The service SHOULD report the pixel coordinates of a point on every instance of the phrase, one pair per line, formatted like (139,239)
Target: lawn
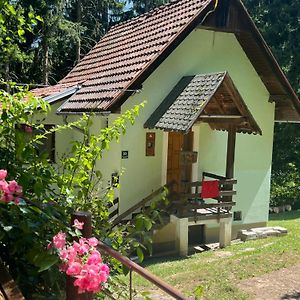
(219,272)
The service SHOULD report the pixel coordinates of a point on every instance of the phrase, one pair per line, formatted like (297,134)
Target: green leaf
(21,32)
(139,222)
(11,9)
(148,224)
(140,254)
(39,18)
(44,261)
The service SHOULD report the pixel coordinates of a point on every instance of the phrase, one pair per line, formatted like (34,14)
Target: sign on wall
(124,154)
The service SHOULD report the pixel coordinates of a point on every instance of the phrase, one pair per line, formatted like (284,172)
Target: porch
(191,209)
(205,98)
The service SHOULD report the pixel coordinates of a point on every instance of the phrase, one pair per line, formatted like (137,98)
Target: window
(46,146)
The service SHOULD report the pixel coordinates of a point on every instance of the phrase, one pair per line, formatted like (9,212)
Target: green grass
(219,274)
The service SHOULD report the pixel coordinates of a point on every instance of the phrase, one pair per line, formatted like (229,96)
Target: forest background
(68,29)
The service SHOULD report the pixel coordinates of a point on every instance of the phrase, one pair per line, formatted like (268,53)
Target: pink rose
(72,253)
(93,242)
(12,185)
(78,225)
(103,276)
(63,254)
(105,269)
(3,174)
(83,246)
(73,269)
(94,258)
(4,186)
(59,240)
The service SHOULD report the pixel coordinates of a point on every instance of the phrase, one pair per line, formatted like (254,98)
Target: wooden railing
(72,292)
(191,200)
(8,288)
(138,205)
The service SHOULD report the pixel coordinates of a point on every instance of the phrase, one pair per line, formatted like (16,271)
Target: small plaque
(150,143)
(124,154)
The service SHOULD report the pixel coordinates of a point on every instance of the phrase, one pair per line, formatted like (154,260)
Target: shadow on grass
(291,215)
(158,260)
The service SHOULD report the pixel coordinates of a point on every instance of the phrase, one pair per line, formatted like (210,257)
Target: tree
(142,6)
(14,24)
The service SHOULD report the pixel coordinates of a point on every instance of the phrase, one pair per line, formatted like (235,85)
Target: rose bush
(9,191)
(81,260)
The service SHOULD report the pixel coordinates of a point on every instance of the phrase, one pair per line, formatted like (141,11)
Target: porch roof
(211,98)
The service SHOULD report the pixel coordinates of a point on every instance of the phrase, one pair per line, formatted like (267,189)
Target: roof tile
(123,54)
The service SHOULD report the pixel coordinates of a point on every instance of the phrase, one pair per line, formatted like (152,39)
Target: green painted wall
(201,52)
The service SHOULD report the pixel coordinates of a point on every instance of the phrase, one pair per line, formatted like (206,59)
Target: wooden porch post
(225,225)
(230,151)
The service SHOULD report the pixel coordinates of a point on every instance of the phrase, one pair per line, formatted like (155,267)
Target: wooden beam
(230,152)
(232,119)
(220,105)
(278,98)
(222,29)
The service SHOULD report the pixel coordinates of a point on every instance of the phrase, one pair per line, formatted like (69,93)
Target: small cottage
(213,91)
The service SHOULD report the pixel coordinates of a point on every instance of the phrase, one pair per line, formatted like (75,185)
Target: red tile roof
(126,53)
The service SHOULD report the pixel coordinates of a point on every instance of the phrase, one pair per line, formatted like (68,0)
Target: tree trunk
(45,66)
(7,77)
(79,19)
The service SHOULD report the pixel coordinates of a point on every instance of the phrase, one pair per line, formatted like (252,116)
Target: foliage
(286,166)
(51,196)
(23,232)
(142,6)
(45,51)
(80,187)
(25,228)
(285,187)
(14,23)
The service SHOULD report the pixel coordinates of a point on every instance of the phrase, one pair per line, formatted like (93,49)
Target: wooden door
(175,142)
(178,142)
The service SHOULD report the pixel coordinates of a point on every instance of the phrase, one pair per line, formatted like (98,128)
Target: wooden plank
(222,119)
(208,205)
(228,181)
(209,217)
(9,289)
(199,183)
(211,175)
(227,193)
(198,196)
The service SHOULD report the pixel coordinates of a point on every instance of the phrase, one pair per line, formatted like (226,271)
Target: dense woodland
(62,31)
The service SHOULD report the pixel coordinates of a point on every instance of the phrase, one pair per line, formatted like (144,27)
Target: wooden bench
(8,288)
